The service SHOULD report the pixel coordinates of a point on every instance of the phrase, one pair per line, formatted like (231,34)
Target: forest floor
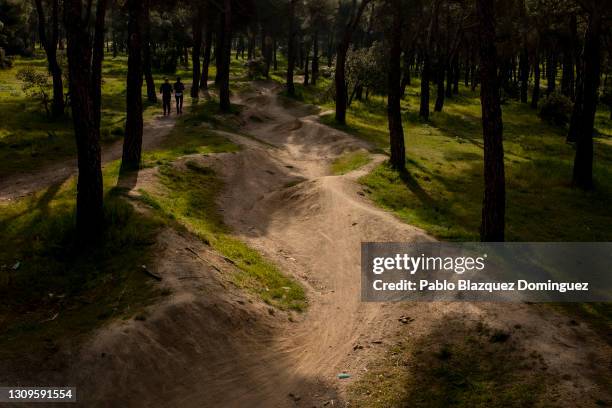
(208,342)
(287,185)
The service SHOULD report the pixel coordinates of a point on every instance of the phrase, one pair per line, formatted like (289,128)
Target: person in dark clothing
(178,95)
(166,91)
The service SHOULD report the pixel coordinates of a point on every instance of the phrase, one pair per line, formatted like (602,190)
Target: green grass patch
(454,366)
(53,290)
(350,161)
(188,197)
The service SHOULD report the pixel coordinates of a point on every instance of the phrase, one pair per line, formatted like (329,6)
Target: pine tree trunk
(195,52)
(306,62)
(315,57)
(341,51)
(494,202)
(424,108)
(96,63)
(524,74)
(456,75)
(440,88)
(50,47)
(132,142)
(206,60)
(583,162)
(291,49)
(225,57)
(551,72)
(267,53)
(576,119)
(90,214)
(406,74)
(218,48)
(535,96)
(146,53)
(567,76)
(396,131)
(274,52)
(449,82)
(340,81)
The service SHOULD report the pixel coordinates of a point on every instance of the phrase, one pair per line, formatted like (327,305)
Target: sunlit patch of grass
(350,161)
(29,139)
(51,288)
(188,197)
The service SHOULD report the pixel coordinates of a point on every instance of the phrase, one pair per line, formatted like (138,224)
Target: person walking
(178,95)
(166,91)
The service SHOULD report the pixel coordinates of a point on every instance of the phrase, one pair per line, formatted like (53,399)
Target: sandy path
(23,184)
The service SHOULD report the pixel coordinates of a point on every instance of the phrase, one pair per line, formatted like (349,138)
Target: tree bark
(89,213)
(267,53)
(306,68)
(195,51)
(440,87)
(426,73)
(291,49)
(406,74)
(96,63)
(551,72)
(524,73)
(274,52)
(494,202)
(456,74)
(341,51)
(576,119)
(207,48)
(132,142)
(146,53)
(396,130)
(225,57)
(50,46)
(583,162)
(448,92)
(424,107)
(315,57)
(535,96)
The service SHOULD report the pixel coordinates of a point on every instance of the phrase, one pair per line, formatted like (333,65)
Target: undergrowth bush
(556,109)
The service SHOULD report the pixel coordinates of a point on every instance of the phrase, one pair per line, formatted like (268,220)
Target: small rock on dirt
(405,319)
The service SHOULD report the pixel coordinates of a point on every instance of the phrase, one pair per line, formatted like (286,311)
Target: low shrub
(556,109)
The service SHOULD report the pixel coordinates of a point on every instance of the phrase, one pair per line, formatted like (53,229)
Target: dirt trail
(212,345)
(281,199)
(23,184)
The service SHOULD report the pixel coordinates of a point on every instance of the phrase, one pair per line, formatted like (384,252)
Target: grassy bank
(188,198)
